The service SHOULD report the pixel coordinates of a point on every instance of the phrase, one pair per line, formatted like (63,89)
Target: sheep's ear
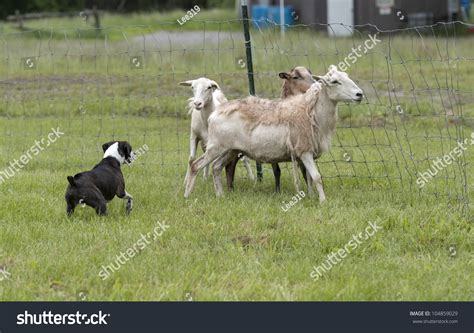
(284,76)
(320,78)
(186,83)
(332,68)
(214,85)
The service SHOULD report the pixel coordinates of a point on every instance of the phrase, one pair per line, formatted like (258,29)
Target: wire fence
(122,83)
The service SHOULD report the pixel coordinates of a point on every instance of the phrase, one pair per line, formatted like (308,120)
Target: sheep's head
(298,80)
(203,89)
(340,88)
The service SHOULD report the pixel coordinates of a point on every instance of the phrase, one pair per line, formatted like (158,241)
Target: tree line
(8,7)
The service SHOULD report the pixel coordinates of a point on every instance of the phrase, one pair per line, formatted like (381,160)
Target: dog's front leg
(129,198)
(122,194)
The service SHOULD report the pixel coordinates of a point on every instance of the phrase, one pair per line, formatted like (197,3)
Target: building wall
(366,11)
(310,11)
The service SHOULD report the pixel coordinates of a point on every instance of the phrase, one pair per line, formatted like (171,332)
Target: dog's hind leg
(99,205)
(101,209)
(70,204)
(95,199)
(69,209)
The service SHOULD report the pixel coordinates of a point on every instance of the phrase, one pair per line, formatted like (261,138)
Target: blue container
(466,5)
(260,15)
(263,16)
(274,14)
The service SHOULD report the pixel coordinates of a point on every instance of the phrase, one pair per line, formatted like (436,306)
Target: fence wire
(122,83)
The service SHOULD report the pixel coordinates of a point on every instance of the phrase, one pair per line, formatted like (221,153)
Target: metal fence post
(248,51)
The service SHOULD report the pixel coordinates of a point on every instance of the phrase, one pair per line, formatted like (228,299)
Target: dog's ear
(106,146)
(126,149)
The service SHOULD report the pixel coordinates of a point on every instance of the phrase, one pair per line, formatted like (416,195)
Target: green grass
(242,246)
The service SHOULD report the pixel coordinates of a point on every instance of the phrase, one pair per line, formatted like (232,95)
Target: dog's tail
(71,180)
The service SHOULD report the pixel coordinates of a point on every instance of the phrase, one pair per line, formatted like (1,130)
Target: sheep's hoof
(322,200)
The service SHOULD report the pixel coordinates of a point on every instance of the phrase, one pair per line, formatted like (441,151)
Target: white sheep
(207,96)
(296,81)
(300,127)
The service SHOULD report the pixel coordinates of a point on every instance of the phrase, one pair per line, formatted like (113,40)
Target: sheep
(296,81)
(207,95)
(300,127)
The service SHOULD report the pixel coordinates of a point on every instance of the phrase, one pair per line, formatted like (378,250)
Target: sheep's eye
(335,82)
(295,77)
(209,87)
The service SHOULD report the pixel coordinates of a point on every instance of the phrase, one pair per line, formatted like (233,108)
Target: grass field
(242,246)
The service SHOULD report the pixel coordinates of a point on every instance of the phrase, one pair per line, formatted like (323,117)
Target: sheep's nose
(198,105)
(359,95)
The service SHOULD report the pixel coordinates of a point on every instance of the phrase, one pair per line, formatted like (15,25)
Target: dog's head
(121,150)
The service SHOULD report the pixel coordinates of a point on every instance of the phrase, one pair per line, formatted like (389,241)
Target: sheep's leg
(294,171)
(211,154)
(230,173)
(206,169)
(217,170)
(312,169)
(246,162)
(307,178)
(193,143)
(308,181)
(303,171)
(277,175)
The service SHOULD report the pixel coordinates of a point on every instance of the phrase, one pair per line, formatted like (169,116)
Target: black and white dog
(94,188)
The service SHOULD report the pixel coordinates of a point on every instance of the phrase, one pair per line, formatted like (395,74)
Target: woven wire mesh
(122,85)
